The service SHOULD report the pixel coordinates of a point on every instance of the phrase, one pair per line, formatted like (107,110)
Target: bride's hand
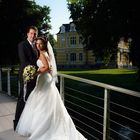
(50,69)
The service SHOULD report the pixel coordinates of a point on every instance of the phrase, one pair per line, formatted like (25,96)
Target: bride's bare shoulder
(43,57)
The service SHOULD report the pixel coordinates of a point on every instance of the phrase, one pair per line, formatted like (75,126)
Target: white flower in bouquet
(29,72)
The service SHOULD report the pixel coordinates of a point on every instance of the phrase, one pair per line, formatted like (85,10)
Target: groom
(27,56)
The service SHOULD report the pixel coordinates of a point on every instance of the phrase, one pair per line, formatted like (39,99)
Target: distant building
(71,53)
(123,60)
(69,49)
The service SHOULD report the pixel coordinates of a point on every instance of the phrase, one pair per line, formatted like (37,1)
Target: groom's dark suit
(27,55)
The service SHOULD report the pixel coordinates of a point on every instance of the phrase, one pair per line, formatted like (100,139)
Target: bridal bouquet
(29,72)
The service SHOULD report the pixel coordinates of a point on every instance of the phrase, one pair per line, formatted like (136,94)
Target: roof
(67,27)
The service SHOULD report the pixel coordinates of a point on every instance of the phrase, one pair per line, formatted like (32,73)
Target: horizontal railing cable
(125,107)
(87,133)
(85,116)
(120,134)
(85,109)
(85,101)
(86,125)
(124,126)
(125,117)
(84,93)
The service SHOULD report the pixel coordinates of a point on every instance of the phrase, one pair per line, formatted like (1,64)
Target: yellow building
(69,49)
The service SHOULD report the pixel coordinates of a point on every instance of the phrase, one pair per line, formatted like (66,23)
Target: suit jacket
(26,56)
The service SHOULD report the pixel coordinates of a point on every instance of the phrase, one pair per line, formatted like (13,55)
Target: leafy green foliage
(103,22)
(15,17)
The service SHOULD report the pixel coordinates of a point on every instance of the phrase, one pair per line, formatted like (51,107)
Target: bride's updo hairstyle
(44,41)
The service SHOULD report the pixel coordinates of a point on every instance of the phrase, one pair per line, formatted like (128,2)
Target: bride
(45,116)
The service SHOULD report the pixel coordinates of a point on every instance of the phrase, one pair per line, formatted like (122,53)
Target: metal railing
(100,111)
(6,70)
(106,107)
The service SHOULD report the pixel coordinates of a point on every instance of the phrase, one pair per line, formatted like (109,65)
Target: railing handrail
(103,85)
(5,68)
(107,88)
(92,82)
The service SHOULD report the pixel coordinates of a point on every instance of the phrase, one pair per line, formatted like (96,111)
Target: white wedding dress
(45,116)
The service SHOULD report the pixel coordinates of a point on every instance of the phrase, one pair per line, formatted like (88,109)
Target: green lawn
(126,78)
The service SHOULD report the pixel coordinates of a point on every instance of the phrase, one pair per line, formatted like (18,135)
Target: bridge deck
(7,111)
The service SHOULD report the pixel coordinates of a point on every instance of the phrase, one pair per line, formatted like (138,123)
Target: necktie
(34,49)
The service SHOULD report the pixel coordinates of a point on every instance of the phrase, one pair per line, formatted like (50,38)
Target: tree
(103,22)
(15,17)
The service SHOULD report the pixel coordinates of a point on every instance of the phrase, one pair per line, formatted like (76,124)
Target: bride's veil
(53,62)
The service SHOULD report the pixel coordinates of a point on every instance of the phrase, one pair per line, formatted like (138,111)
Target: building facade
(69,50)
(123,60)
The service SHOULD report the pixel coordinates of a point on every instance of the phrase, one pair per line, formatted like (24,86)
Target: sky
(59,13)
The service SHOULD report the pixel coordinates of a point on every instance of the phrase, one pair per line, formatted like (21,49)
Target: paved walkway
(7,111)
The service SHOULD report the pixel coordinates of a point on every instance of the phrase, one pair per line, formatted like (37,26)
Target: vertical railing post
(0,79)
(8,81)
(62,87)
(18,87)
(106,132)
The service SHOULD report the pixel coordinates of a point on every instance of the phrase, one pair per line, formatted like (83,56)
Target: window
(72,28)
(62,40)
(73,57)
(73,40)
(80,56)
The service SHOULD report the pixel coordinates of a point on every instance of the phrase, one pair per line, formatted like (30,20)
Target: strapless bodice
(39,62)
